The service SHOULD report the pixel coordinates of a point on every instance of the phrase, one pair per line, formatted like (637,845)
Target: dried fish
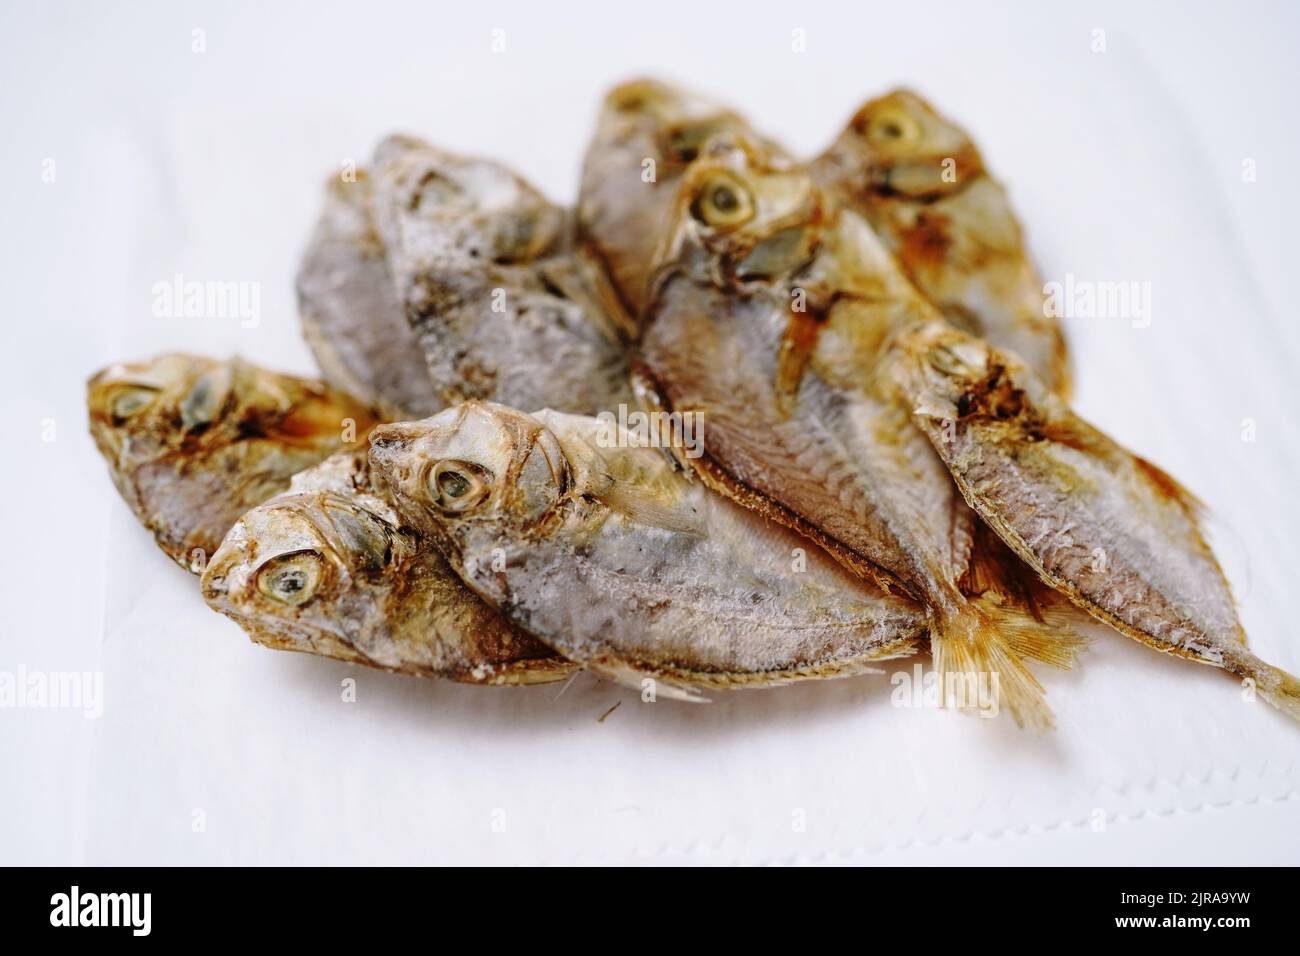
(193,443)
(1113,532)
(598,545)
(351,315)
(326,569)
(503,303)
(770,309)
(646,135)
(922,184)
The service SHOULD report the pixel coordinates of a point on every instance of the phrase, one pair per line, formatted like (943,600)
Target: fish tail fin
(983,645)
(1031,616)
(1275,685)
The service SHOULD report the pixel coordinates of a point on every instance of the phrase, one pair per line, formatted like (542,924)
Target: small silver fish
(600,547)
(326,569)
(351,315)
(1105,527)
(504,304)
(192,443)
(922,184)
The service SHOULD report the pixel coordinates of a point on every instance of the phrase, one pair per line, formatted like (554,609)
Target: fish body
(352,318)
(325,568)
(922,184)
(613,557)
(501,300)
(192,443)
(771,309)
(1105,527)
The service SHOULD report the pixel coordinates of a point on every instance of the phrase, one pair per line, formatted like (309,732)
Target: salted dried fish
(503,303)
(646,135)
(351,315)
(1107,528)
(326,569)
(770,309)
(192,443)
(599,546)
(922,184)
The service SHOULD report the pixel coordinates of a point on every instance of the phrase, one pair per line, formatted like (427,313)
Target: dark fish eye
(724,200)
(893,126)
(292,579)
(453,484)
(724,203)
(457,485)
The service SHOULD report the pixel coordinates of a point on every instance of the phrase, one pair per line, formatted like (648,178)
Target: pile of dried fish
(735,420)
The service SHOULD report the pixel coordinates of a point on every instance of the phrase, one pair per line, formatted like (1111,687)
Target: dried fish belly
(922,184)
(326,569)
(193,443)
(611,556)
(351,315)
(503,304)
(1108,529)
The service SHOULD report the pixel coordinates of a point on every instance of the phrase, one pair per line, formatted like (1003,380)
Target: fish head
(647,134)
(139,410)
(899,145)
(142,410)
(744,213)
(477,205)
(952,376)
(477,472)
(301,571)
(193,443)
(677,123)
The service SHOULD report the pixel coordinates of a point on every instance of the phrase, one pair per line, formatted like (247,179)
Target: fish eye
(130,400)
(457,485)
(892,127)
(292,579)
(723,203)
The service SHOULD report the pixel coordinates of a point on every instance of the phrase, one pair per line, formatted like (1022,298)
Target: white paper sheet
(209,164)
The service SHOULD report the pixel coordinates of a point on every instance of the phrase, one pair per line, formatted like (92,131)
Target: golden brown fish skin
(647,133)
(326,569)
(612,556)
(504,304)
(351,316)
(922,184)
(192,443)
(1105,527)
(771,309)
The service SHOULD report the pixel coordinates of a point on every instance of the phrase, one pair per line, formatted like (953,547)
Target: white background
(1123,165)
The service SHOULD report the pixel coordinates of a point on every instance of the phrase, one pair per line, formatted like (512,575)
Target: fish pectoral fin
(646,507)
